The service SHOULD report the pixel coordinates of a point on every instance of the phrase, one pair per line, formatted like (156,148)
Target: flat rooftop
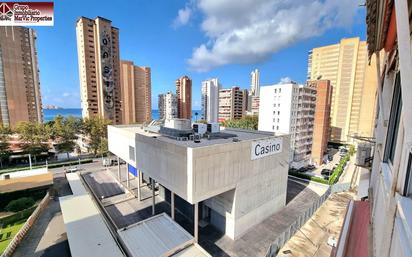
(156,236)
(225,136)
(86,230)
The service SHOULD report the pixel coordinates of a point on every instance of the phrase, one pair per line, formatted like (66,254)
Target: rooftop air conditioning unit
(213,127)
(363,154)
(199,128)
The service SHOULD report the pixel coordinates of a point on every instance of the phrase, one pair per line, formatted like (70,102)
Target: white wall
(119,142)
(269,108)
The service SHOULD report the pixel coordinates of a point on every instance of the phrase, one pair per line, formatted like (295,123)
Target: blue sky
(167,35)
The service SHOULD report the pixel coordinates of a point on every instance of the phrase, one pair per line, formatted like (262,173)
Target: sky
(203,39)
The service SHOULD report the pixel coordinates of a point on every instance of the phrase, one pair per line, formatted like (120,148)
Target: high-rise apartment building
(99,68)
(210,100)
(354,87)
(135,84)
(184,97)
(289,109)
(254,105)
(321,129)
(167,106)
(230,104)
(20,98)
(245,94)
(255,83)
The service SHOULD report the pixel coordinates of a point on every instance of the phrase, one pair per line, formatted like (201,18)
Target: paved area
(104,185)
(47,237)
(329,165)
(325,224)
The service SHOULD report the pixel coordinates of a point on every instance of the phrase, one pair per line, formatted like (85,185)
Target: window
(393,127)
(278,112)
(275,91)
(131,153)
(408,180)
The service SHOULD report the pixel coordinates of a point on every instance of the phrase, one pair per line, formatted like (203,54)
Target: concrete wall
(119,142)
(260,185)
(165,162)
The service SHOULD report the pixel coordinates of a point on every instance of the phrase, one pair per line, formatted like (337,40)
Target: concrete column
(127,178)
(196,221)
(118,170)
(172,200)
(139,193)
(153,197)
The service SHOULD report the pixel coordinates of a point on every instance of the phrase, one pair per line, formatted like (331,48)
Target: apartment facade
(354,87)
(230,104)
(136,93)
(99,68)
(210,100)
(389,36)
(20,98)
(289,109)
(321,127)
(167,106)
(184,97)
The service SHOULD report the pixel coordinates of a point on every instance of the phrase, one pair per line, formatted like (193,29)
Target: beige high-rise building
(354,87)
(230,104)
(136,86)
(99,68)
(184,97)
(20,98)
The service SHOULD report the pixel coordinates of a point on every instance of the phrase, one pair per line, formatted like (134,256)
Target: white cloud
(285,80)
(183,17)
(249,31)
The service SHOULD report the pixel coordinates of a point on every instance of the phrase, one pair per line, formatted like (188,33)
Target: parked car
(303,169)
(310,167)
(71,170)
(326,172)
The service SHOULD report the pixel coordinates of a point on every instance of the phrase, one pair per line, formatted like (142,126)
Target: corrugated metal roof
(192,251)
(87,232)
(155,236)
(76,185)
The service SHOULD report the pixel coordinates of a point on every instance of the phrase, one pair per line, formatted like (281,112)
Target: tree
(64,132)
(95,128)
(34,137)
(248,122)
(5,152)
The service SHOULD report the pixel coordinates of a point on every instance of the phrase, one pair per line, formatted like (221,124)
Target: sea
(77,112)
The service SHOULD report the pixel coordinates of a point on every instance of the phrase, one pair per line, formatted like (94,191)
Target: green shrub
(305,176)
(16,217)
(20,204)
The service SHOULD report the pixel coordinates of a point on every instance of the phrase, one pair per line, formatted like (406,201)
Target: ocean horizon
(50,114)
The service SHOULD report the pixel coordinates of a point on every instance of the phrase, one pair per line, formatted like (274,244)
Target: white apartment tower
(210,100)
(255,86)
(167,106)
(289,109)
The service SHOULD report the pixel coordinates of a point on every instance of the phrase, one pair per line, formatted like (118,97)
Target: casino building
(229,178)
